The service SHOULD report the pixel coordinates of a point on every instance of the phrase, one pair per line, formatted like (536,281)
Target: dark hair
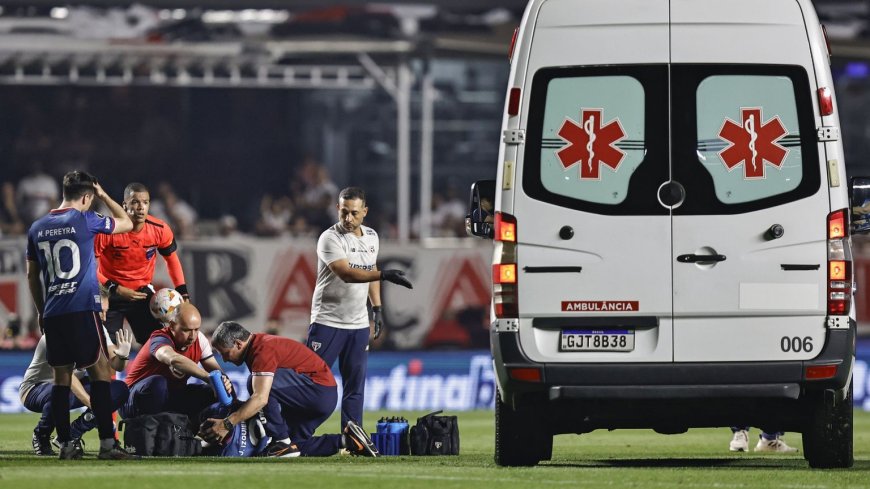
(227,333)
(77,184)
(352,193)
(133,188)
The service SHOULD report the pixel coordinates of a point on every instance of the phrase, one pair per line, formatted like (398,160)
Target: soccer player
(127,261)
(62,278)
(158,375)
(347,274)
(294,388)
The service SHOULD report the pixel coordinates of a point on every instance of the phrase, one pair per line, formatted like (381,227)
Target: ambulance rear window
(593,141)
(744,138)
(748,136)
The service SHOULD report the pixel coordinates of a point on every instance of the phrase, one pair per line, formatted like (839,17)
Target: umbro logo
(315,345)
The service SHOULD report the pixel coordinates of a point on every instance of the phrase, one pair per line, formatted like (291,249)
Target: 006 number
(796,344)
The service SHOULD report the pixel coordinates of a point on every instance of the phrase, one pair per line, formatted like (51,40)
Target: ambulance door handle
(700,258)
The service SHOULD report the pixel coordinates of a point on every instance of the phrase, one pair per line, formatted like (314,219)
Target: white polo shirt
(335,302)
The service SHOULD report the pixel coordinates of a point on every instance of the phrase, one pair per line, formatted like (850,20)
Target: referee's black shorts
(136,313)
(75,339)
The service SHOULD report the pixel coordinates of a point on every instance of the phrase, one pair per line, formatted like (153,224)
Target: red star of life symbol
(752,142)
(590,144)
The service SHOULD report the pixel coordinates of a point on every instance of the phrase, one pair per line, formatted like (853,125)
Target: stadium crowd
(307,207)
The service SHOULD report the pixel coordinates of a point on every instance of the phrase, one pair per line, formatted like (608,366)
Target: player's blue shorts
(74,339)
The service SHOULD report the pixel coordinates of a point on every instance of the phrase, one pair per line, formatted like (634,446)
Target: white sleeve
(330,249)
(108,338)
(205,346)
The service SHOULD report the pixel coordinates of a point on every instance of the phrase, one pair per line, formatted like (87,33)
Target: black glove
(377,318)
(397,277)
(148,290)
(182,289)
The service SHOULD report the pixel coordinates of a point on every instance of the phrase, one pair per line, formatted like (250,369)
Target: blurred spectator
(38,193)
(275,214)
(228,226)
(171,208)
(299,228)
(448,217)
(315,193)
(10,221)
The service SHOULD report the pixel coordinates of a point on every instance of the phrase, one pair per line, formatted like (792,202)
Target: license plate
(597,340)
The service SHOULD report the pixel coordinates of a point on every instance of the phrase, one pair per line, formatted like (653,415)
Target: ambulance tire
(520,440)
(827,439)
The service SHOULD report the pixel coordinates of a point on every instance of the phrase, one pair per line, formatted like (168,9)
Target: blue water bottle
(217,383)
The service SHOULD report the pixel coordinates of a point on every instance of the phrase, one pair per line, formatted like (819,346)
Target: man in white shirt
(347,274)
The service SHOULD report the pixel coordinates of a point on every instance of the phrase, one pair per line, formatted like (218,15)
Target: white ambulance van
(671,221)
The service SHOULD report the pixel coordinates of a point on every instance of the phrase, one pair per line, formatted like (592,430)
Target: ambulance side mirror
(859,197)
(481,203)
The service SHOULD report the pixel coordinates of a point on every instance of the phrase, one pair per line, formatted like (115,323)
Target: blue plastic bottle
(217,383)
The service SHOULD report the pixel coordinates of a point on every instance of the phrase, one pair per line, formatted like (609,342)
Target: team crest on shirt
(315,345)
(371,249)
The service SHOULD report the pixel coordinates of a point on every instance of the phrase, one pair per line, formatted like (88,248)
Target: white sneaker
(775,445)
(740,441)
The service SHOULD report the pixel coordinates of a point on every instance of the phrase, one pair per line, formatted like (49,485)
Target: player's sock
(60,411)
(101,403)
(107,444)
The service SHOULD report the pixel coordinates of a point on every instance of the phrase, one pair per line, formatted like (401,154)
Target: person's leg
(148,396)
(321,445)
(87,421)
(65,339)
(99,373)
(352,364)
(739,439)
(114,319)
(60,407)
(38,400)
(328,343)
(305,405)
(276,427)
(141,321)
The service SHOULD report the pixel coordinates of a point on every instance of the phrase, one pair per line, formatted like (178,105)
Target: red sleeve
(99,246)
(173,265)
(264,361)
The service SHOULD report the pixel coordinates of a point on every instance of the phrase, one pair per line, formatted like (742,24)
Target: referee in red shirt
(126,265)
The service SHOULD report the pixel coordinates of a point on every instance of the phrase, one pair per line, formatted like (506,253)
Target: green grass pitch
(626,458)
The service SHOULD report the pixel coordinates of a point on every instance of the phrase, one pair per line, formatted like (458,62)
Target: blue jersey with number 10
(62,242)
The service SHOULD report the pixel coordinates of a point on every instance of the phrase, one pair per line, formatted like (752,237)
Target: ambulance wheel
(827,439)
(519,439)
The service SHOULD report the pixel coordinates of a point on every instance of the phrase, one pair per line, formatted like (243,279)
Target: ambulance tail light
(514,102)
(525,374)
(504,270)
(505,227)
(839,264)
(820,372)
(826,101)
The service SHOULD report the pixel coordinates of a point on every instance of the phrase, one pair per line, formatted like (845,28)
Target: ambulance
(671,220)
